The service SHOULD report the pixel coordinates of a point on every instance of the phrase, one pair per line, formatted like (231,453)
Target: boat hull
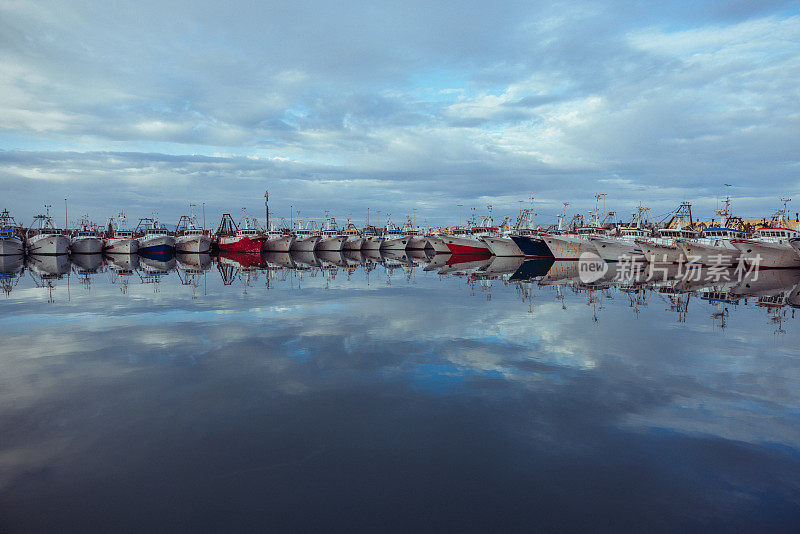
(48,245)
(354,243)
(86,245)
(306,244)
(397,244)
(661,253)
(331,244)
(417,242)
(615,250)
(121,245)
(281,243)
(465,245)
(193,244)
(11,246)
(531,246)
(767,255)
(502,246)
(437,244)
(240,244)
(568,247)
(710,254)
(372,243)
(157,244)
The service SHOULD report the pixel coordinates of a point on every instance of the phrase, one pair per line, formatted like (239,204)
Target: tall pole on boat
(66,213)
(266,206)
(204,215)
(291,217)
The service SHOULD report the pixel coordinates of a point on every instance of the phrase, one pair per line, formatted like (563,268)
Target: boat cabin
(591,230)
(155,231)
(631,231)
(676,233)
(723,233)
(249,232)
(86,233)
(777,233)
(123,234)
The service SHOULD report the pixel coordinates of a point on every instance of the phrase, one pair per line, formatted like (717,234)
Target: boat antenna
(266,206)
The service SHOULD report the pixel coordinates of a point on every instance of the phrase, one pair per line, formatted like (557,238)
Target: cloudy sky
(401,107)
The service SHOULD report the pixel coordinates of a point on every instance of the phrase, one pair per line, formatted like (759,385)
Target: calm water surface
(298,393)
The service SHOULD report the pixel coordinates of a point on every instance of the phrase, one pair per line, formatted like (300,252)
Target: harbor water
(299,392)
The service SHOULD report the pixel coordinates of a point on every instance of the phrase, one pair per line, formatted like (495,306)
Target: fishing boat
(394,239)
(154,237)
(189,237)
(305,240)
(331,241)
(87,239)
(10,241)
(622,246)
(531,244)
(714,246)
(771,247)
(664,247)
(43,238)
(416,240)
(468,240)
(354,239)
(436,244)
(373,239)
(243,237)
(121,240)
(279,241)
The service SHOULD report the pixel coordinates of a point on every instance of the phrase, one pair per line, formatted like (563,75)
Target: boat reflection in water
(776,290)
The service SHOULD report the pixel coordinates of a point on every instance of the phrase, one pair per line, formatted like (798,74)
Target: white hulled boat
(10,240)
(394,239)
(189,238)
(714,246)
(664,247)
(279,241)
(771,248)
(355,241)
(620,247)
(416,240)
(331,241)
(44,238)
(373,239)
(87,240)
(305,240)
(121,240)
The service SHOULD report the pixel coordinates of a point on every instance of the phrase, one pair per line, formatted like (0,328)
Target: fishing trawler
(43,238)
(394,239)
(154,238)
(531,244)
(121,240)
(87,239)
(714,246)
(354,239)
(468,240)
(10,242)
(373,239)
(771,247)
(278,241)
(189,238)
(332,239)
(305,240)
(243,237)
(570,246)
